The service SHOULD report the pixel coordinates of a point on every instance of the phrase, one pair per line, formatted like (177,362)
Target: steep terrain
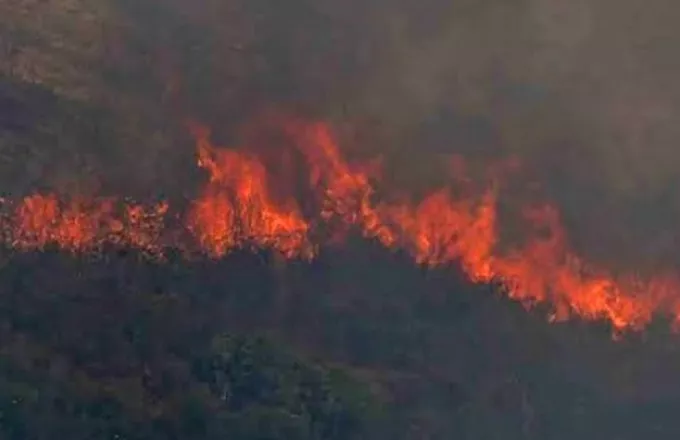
(361,342)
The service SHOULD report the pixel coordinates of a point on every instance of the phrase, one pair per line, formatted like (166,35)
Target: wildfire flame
(236,210)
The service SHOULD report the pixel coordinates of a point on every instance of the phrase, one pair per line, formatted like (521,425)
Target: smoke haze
(584,92)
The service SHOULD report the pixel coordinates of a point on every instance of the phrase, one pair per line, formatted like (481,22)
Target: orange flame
(235,210)
(40,221)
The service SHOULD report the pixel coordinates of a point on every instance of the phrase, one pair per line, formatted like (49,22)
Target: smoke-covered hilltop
(95,96)
(584,93)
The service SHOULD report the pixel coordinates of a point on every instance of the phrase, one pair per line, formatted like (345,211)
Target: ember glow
(236,210)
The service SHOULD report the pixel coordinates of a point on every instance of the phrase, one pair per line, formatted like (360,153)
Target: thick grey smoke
(584,91)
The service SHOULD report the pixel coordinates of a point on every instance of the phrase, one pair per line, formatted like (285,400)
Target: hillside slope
(361,343)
